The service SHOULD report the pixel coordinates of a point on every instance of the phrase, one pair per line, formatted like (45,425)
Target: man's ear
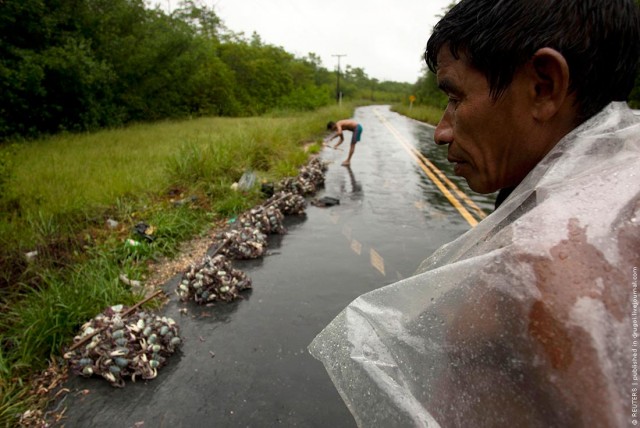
(550,73)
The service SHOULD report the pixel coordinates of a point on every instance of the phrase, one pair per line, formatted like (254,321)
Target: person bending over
(337,129)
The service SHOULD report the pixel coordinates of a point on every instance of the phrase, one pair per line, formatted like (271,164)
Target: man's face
(489,140)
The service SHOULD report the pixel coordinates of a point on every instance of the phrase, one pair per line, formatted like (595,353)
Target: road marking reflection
(376,260)
(346,231)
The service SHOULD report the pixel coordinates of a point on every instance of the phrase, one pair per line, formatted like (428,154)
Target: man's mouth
(458,164)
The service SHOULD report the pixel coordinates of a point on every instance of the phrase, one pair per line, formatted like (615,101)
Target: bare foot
(345,163)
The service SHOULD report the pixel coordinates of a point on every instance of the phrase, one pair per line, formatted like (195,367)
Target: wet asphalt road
(246,363)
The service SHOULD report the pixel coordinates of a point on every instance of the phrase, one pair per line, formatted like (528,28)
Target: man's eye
(453,102)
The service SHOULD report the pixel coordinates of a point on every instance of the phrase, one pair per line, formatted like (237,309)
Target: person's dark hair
(600,41)
(330,125)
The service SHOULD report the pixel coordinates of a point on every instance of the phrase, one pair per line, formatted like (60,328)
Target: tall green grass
(423,113)
(61,190)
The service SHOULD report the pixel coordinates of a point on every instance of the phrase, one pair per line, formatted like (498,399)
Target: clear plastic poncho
(529,319)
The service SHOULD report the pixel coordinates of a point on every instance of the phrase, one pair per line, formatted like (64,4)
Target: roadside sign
(412,98)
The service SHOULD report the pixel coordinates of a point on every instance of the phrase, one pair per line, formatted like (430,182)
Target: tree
(427,91)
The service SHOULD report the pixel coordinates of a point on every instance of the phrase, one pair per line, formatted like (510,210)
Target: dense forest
(77,65)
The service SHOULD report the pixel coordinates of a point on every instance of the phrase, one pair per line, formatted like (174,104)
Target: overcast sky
(386,38)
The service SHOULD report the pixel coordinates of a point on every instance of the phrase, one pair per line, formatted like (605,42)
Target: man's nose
(444,131)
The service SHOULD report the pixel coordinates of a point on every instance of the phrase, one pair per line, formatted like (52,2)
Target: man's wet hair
(600,41)
(330,125)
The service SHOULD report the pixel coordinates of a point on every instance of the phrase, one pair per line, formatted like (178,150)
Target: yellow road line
(451,185)
(445,191)
(356,246)
(481,214)
(376,261)
(429,169)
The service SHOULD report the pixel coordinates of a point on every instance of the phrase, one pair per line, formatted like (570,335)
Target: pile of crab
(288,203)
(119,344)
(214,279)
(122,343)
(309,179)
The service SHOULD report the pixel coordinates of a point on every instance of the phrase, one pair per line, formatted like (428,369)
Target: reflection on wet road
(453,194)
(408,202)
(246,363)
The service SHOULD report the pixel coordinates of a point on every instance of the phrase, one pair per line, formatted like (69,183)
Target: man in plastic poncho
(530,318)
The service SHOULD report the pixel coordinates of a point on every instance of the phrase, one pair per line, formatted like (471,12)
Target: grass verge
(423,113)
(69,204)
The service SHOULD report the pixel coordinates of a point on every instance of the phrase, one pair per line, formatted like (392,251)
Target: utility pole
(338,93)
